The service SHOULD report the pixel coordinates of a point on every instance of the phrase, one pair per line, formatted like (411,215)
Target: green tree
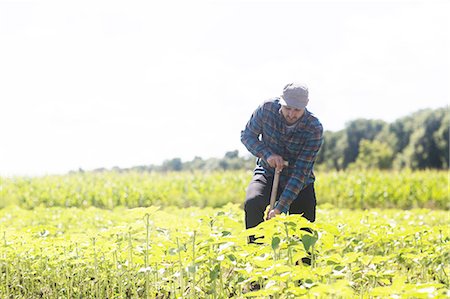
(331,154)
(441,138)
(373,154)
(356,131)
(428,142)
(196,164)
(174,164)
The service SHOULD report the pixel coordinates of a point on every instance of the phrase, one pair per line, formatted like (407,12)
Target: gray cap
(295,95)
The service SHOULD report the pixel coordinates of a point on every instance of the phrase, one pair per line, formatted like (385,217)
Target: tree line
(417,141)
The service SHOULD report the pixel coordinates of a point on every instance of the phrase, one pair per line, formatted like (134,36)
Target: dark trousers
(258,198)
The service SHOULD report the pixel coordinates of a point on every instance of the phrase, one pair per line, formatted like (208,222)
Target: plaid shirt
(299,147)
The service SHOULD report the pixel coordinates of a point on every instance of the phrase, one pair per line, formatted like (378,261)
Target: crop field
(370,189)
(85,236)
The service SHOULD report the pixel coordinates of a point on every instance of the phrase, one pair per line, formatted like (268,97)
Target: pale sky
(124,83)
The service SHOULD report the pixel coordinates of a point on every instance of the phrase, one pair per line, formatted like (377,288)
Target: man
(280,130)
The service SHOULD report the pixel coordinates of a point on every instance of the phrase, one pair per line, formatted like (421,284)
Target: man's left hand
(273,213)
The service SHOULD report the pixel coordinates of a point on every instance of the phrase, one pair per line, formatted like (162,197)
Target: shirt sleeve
(302,169)
(250,135)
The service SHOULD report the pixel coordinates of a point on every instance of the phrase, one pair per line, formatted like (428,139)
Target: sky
(90,84)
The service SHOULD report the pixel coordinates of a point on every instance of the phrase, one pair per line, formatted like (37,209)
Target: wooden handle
(273,194)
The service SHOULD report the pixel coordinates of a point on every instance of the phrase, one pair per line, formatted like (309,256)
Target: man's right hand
(276,161)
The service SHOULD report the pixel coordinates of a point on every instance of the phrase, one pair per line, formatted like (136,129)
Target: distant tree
(232,161)
(196,164)
(373,154)
(441,138)
(174,164)
(212,164)
(232,154)
(331,154)
(356,131)
(428,141)
(417,141)
(402,130)
(389,138)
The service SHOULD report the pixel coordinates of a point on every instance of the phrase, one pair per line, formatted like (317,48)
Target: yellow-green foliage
(203,253)
(385,189)
(367,189)
(132,189)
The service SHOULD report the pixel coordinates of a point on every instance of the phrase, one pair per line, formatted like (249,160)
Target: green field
(84,236)
(369,189)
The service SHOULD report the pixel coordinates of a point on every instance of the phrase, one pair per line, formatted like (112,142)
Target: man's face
(291,115)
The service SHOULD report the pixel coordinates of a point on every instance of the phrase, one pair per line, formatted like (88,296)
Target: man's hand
(276,161)
(273,213)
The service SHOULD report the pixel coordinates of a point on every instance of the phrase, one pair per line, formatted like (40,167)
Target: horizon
(243,153)
(98,84)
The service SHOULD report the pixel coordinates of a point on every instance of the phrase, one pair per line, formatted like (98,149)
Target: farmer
(282,129)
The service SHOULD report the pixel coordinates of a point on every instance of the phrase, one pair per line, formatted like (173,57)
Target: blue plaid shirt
(299,147)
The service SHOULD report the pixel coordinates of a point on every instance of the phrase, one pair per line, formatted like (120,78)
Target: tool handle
(273,194)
